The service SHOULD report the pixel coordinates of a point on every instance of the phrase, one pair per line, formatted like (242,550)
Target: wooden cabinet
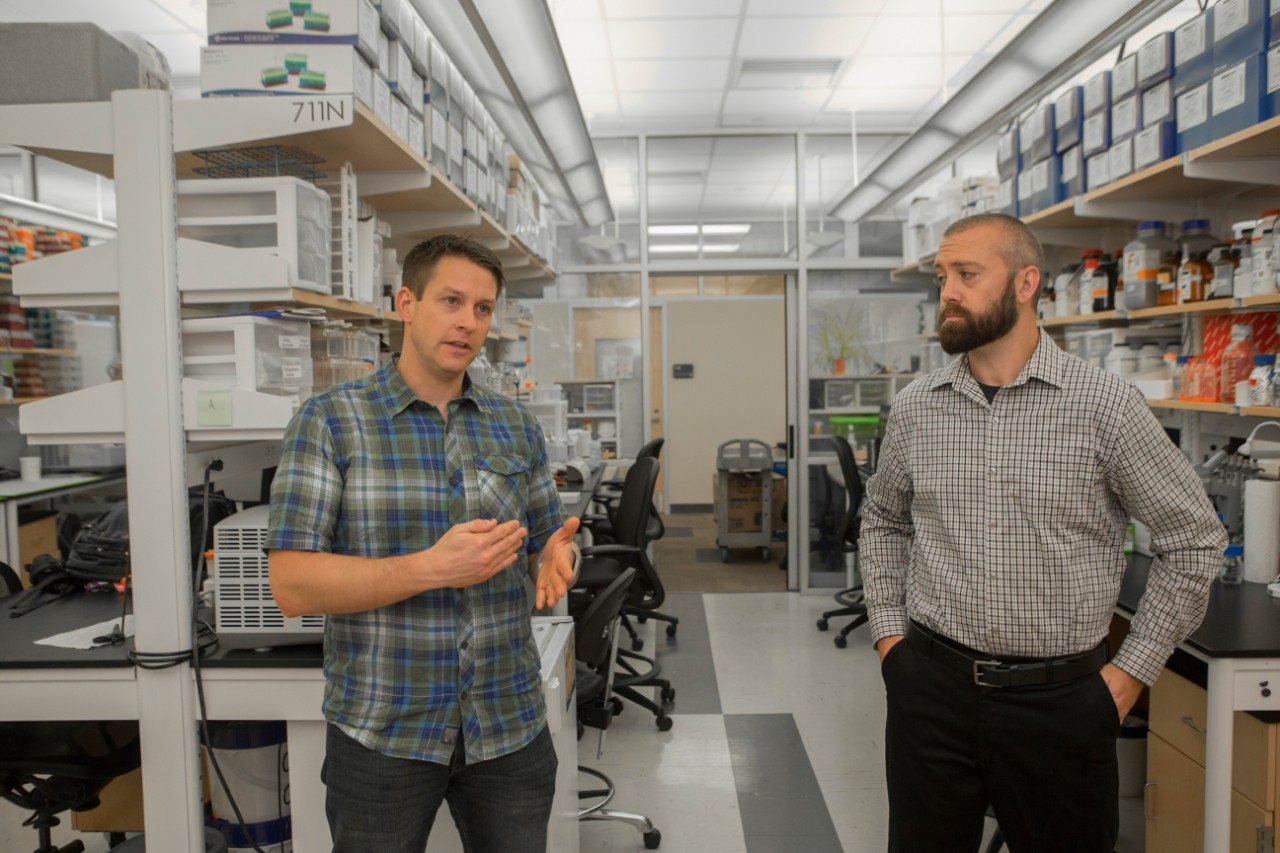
(1175,771)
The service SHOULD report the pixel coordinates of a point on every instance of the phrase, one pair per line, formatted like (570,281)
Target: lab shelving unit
(173,427)
(591,403)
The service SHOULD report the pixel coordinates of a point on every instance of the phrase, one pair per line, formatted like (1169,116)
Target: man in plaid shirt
(992,542)
(411,508)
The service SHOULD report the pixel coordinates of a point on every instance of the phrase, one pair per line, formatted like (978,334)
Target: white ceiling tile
(672,8)
(583,39)
(190,13)
(764,101)
(803,37)
(1016,25)
(671,103)
(591,75)
(694,147)
(574,10)
(793,8)
(979,7)
(596,103)
(639,75)
(972,32)
(686,39)
(879,98)
(136,15)
(893,72)
(904,35)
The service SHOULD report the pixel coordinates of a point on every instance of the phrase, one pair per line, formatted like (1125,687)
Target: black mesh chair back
(630,524)
(652,449)
(847,532)
(593,630)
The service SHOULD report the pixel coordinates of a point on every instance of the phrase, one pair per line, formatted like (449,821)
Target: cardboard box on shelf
(745,498)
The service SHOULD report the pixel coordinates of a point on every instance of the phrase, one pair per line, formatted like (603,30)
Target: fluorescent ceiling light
(726,229)
(672,230)
(692,248)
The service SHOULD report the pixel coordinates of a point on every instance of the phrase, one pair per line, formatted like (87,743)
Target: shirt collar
(1045,364)
(398,396)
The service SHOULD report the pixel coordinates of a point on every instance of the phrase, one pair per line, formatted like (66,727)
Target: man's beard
(973,331)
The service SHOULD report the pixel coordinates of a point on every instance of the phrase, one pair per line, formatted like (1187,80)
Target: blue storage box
(1008,155)
(1153,144)
(1193,52)
(1155,60)
(1157,103)
(1071,178)
(1096,137)
(1120,159)
(1241,29)
(1037,136)
(1124,77)
(1097,171)
(1023,193)
(1238,97)
(1046,183)
(1068,118)
(1126,117)
(1097,94)
(1191,111)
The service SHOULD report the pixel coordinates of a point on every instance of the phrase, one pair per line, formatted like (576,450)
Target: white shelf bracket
(1135,211)
(1254,170)
(60,127)
(86,277)
(383,183)
(413,222)
(497,244)
(212,273)
(217,122)
(525,274)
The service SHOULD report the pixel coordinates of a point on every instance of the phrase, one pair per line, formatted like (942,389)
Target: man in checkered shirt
(992,542)
(411,508)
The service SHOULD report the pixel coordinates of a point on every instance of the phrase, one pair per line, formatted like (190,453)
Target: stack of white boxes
(267,355)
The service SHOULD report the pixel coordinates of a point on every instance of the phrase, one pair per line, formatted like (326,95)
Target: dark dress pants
(1043,757)
(379,804)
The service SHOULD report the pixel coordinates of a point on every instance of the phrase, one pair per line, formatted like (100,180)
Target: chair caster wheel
(642,618)
(841,642)
(665,723)
(652,839)
(616,704)
(822,624)
(671,630)
(637,644)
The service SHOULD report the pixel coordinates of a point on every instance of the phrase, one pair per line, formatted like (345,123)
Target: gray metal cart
(744,456)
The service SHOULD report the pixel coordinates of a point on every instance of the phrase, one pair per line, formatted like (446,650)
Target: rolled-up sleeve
(306,494)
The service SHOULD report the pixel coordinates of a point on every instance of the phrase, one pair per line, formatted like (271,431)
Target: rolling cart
(744,456)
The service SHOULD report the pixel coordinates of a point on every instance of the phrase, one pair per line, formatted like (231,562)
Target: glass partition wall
(740,224)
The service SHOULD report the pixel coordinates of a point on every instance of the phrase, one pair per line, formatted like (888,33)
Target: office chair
(838,534)
(595,637)
(55,766)
(603,564)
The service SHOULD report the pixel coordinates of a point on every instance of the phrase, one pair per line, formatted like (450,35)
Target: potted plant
(838,336)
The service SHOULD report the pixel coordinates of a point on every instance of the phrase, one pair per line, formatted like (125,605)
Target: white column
(155,453)
(1220,726)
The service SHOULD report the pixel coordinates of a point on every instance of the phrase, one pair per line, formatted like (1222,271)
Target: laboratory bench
(1213,763)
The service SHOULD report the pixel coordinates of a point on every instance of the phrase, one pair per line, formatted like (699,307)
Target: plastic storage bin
(253,353)
(1124,77)
(1096,136)
(1238,97)
(1071,177)
(1155,60)
(1068,118)
(1154,144)
(1193,52)
(1126,117)
(278,216)
(1097,94)
(1192,110)
(1241,29)
(1046,183)
(1037,135)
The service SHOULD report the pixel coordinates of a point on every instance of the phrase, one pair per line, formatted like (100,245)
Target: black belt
(993,672)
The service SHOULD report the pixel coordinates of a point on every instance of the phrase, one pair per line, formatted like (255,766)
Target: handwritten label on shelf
(213,408)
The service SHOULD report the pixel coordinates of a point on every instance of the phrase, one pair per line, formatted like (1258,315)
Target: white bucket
(254,758)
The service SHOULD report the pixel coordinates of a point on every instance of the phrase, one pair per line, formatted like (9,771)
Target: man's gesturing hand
(474,551)
(555,570)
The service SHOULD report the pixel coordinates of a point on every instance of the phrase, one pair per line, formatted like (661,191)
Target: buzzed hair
(420,264)
(1019,247)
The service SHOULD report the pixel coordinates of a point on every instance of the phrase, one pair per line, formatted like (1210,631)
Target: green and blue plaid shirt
(370,470)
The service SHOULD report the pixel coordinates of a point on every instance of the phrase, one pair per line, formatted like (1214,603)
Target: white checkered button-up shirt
(1001,525)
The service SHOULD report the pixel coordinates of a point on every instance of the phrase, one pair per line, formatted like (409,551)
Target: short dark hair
(1020,248)
(420,264)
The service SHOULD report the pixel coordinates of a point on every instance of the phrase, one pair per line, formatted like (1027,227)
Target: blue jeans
(375,802)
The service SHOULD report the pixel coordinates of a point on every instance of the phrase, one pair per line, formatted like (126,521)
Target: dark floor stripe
(701,509)
(678,532)
(778,795)
(736,555)
(686,658)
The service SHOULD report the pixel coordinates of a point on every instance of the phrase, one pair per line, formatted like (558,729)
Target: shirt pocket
(504,486)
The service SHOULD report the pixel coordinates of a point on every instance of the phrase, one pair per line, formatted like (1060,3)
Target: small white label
(1229,16)
(294,342)
(1193,108)
(290,368)
(1157,103)
(1124,76)
(455,145)
(1071,165)
(1095,92)
(1064,109)
(1189,40)
(1273,69)
(1146,147)
(1032,130)
(1153,57)
(1098,170)
(1024,186)
(1095,136)
(1040,177)
(1124,117)
(1121,159)
(1228,89)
